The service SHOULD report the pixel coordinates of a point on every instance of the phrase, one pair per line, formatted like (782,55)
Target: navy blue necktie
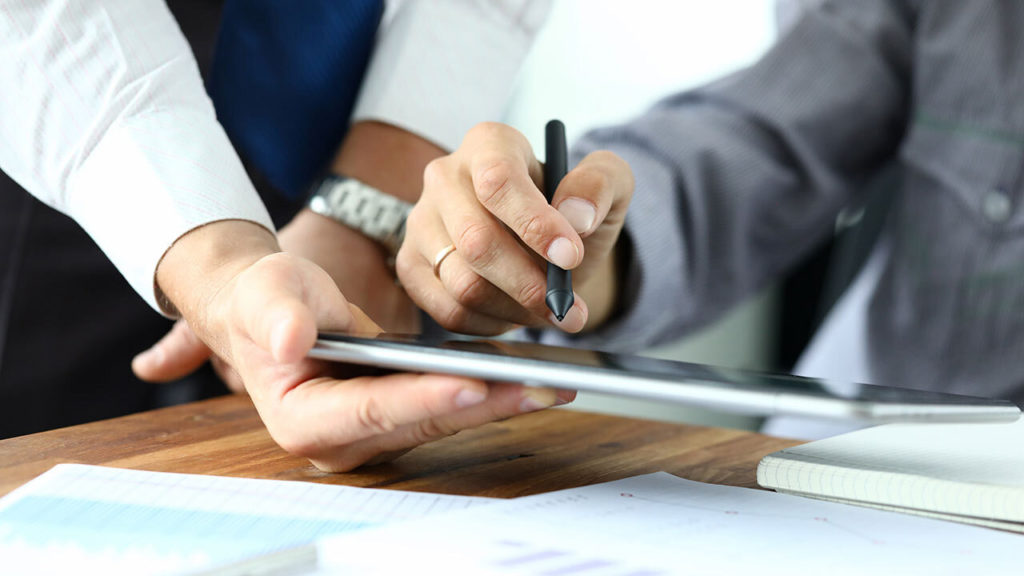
(285,77)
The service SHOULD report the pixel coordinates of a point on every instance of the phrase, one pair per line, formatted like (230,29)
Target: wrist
(362,208)
(386,164)
(369,152)
(202,261)
(321,239)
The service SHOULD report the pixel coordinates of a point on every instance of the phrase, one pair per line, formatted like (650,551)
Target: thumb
(294,298)
(179,353)
(360,323)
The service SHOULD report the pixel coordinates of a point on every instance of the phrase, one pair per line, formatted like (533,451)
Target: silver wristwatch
(363,208)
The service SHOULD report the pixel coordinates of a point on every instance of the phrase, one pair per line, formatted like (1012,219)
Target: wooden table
(539,452)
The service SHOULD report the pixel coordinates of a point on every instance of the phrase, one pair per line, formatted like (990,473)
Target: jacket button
(996,206)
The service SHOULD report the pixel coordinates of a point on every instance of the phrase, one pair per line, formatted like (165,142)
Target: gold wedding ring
(440,256)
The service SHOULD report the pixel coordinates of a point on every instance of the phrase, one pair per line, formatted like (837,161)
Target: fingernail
(573,322)
(563,397)
(563,253)
(579,213)
(537,399)
(468,397)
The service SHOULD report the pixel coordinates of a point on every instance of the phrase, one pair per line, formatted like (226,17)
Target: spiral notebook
(972,473)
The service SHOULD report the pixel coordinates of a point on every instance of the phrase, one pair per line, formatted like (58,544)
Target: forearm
(737,180)
(115,128)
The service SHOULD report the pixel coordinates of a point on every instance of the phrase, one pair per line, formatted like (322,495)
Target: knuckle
(371,417)
(487,130)
(434,174)
(471,290)
(455,317)
(477,243)
(531,296)
(429,430)
(532,230)
(493,180)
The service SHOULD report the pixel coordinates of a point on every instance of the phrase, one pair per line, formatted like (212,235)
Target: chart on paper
(138,522)
(659,524)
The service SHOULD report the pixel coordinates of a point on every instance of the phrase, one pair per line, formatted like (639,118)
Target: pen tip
(559,302)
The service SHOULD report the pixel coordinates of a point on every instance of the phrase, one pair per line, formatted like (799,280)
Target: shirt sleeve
(442,66)
(738,180)
(104,117)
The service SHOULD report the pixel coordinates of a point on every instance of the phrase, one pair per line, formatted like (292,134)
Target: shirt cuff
(441,67)
(136,198)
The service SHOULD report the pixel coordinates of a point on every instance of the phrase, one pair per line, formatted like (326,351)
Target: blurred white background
(599,62)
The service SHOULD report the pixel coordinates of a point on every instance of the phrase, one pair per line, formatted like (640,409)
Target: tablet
(727,389)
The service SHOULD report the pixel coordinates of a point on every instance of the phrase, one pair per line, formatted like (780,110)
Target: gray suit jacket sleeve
(737,180)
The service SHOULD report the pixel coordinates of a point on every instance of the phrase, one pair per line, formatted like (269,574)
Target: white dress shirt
(442,66)
(103,114)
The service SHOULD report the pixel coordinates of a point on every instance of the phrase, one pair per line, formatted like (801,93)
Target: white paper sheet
(77,519)
(659,524)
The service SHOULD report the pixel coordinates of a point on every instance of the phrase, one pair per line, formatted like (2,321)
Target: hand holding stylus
(558,297)
(478,241)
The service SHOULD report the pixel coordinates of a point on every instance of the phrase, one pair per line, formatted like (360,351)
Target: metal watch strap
(362,207)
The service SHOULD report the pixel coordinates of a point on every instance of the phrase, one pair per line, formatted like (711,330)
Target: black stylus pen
(559,296)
